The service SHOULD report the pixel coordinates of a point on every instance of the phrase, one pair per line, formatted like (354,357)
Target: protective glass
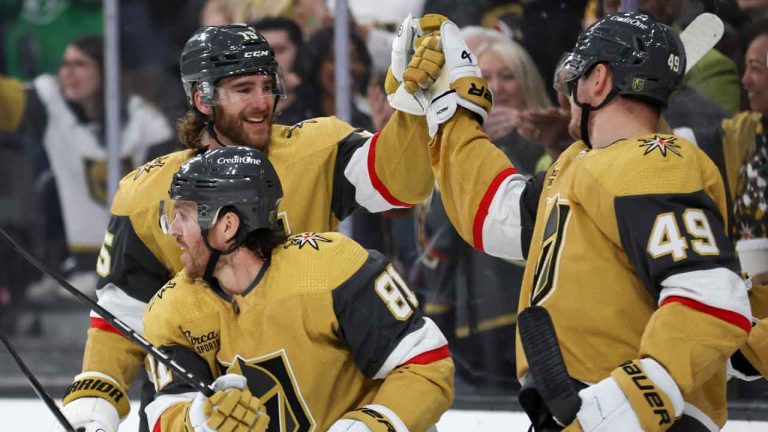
(186,213)
(570,67)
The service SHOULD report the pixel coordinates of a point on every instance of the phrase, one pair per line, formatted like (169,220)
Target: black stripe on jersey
(189,360)
(529,203)
(343,201)
(637,217)
(133,267)
(365,321)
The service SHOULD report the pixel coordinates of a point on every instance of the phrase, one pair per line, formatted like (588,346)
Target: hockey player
(325,332)
(625,234)
(327,168)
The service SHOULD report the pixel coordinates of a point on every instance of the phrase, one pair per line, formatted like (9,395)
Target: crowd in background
(53,156)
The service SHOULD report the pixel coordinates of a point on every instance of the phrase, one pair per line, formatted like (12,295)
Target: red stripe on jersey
(102,324)
(485,203)
(732,317)
(157,427)
(376,181)
(430,356)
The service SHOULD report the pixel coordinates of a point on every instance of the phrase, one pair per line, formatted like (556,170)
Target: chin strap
(586,110)
(216,254)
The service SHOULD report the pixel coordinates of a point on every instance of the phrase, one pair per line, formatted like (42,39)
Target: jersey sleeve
(389,169)
(678,245)
(484,196)
(390,339)
(12,104)
(168,411)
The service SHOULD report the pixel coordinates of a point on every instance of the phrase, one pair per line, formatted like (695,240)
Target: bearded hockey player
(328,169)
(625,235)
(324,333)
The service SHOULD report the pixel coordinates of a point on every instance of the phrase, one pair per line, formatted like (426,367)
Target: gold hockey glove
(466,86)
(409,37)
(231,409)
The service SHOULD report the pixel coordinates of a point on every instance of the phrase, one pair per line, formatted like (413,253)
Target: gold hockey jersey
(626,246)
(327,327)
(327,170)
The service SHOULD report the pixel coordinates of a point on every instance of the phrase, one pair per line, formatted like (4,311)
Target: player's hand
(370,418)
(640,395)
(466,88)
(410,36)
(231,409)
(90,414)
(95,401)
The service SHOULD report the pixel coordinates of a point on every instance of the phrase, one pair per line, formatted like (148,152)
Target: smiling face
(243,113)
(79,76)
(507,90)
(755,79)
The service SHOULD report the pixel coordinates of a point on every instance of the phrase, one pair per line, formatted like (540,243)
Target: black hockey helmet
(647,58)
(217,52)
(240,177)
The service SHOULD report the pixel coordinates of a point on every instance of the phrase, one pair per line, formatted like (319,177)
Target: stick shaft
(131,334)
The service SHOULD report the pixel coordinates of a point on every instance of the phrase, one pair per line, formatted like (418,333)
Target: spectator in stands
(284,36)
(745,149)
(64,114)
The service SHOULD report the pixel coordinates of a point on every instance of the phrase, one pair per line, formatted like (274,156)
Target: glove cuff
(474,95)
(652,393)
(377,418)
(90,411)
(100,385)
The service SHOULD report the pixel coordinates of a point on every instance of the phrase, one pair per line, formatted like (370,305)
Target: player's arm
(678,245)
(129,274)
(751,361)
(391,340)
(13,102)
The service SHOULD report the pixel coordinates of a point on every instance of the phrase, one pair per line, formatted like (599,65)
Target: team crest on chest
(662,144)
(307,238)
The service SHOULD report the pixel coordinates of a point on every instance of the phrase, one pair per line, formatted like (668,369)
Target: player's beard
(234,127)
(574,125)
(195,258)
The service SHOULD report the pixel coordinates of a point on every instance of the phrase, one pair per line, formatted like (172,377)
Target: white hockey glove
(467,86)
(90,414)
(640,395)
(370,418)
(95,401)
(232,408)
(404,46)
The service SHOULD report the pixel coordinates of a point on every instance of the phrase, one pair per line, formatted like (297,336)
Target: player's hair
(261,241)
(190,128)
(755,30)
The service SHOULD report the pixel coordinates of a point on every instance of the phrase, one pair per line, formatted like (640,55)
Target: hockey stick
(128,332)
(546,364)
(700,36)
(36,385)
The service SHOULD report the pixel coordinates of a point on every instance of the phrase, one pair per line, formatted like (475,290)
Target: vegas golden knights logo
(638,84)
(271,379)
(96,177)
(545,277)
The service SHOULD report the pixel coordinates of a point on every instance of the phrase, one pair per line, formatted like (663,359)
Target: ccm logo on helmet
(631,21)
(239,160)
(261,53)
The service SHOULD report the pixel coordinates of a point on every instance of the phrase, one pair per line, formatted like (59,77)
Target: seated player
(326,333)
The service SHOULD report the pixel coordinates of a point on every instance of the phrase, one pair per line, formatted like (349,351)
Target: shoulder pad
(149,183)
(316,131)
(650,164)
(330,258)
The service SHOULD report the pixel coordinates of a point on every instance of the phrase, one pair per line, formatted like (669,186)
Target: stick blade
(701,35)
(546,364)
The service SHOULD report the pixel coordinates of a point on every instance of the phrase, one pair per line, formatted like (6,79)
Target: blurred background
(61,156)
